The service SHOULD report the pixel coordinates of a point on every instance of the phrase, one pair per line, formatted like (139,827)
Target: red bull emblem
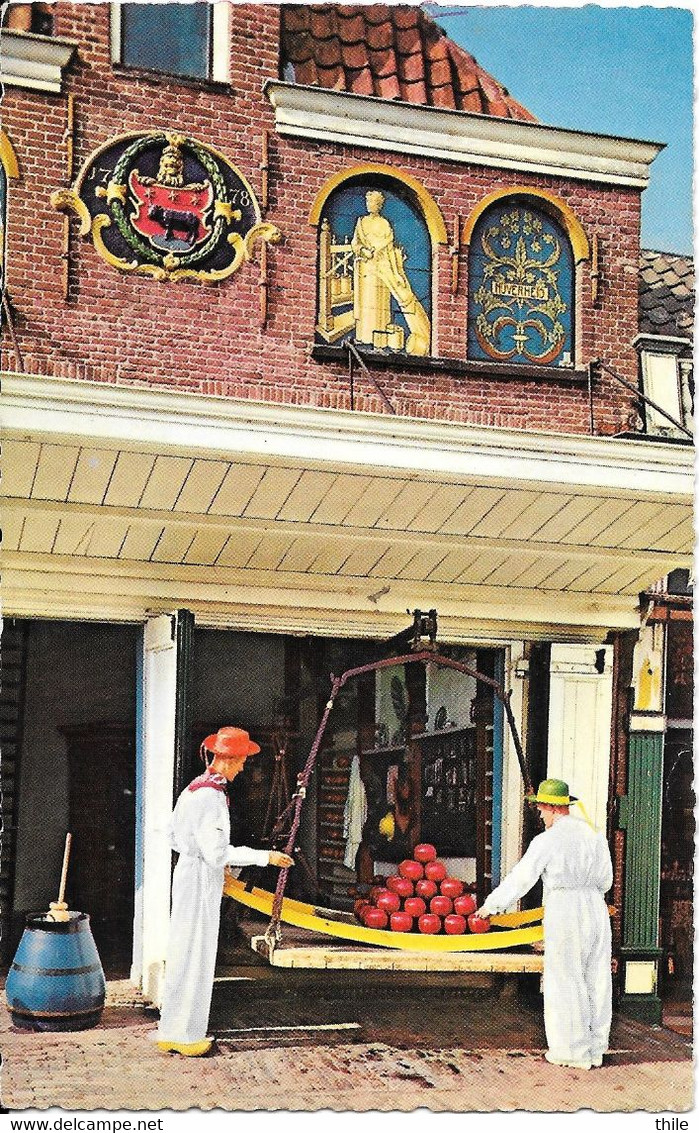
(167,206)
(175,220)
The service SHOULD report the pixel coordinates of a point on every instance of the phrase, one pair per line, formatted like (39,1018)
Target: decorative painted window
(375,267)
(189,40)
(521,290)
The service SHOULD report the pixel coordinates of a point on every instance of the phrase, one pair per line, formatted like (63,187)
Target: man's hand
(279,859)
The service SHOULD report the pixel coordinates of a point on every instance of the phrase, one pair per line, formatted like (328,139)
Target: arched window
(521,289)
(374,266)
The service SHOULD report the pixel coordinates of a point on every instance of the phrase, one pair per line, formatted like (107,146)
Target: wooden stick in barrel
(58,910)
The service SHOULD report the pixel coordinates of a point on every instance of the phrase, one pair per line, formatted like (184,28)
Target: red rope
(299,795)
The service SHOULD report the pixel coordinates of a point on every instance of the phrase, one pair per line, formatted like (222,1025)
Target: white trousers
(577,974)
(197,891)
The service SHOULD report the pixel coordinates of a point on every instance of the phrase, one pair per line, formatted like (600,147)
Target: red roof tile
(333,78)
(328,54)
(493,92)
(472,102)
(407,41)
(418,94)
(309,53)
(321,23)
(440,73)
(383,62)
(355,56)
(411,68)
(406,16)
(295,18)
(389,87)
(444,96)
(389,51)
(379,36)
(359,82)
(375,14)
(351,24)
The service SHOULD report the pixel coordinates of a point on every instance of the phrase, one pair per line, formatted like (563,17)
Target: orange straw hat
(230,742)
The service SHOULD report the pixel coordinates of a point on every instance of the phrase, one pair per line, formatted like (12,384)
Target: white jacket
(200,833)
(576,869)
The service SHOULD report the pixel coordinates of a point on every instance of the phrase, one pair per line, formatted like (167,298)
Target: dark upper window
(680,581)
(521,287)
(35,18)
(175,39)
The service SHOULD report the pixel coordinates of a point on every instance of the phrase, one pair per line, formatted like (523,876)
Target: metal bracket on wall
(264,172)
(635,390)
(263,284)
(354,355)
(7,311)
(594,270)
(68,138)
(454,252)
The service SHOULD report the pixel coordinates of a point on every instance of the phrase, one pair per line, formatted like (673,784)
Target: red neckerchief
(209,779)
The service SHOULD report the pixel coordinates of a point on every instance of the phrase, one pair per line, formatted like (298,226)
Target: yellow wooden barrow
(512,929)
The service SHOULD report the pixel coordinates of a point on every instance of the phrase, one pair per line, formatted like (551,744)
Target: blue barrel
(56,982)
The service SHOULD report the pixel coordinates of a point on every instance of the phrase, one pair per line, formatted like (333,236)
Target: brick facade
(132,330)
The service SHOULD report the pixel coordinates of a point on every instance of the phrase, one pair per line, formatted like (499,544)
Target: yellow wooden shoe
(190,1050)
(587,1065)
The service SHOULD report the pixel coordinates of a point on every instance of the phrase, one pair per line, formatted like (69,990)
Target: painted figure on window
(520,288)
(371,290)
(379,273)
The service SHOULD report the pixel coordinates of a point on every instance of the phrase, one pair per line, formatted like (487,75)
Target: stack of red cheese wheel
(421,898)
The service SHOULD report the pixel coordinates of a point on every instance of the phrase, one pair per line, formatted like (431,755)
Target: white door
(162,684)
(580,716)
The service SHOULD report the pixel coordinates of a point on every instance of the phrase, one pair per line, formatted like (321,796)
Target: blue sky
(626,71)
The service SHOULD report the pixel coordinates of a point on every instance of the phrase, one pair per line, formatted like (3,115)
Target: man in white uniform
(574,863)
(200,834)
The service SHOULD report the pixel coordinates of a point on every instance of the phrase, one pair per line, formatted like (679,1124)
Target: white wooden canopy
(121,502)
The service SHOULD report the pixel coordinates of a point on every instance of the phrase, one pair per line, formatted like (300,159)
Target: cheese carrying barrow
(509,930)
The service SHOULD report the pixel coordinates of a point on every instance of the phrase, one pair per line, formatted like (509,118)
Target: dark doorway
(677,865)
(77,775)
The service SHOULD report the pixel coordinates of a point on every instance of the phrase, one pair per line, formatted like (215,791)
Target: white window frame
(35,62)
(665,380)
(219,65)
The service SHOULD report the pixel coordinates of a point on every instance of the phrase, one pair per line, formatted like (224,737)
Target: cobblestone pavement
(387,1048)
